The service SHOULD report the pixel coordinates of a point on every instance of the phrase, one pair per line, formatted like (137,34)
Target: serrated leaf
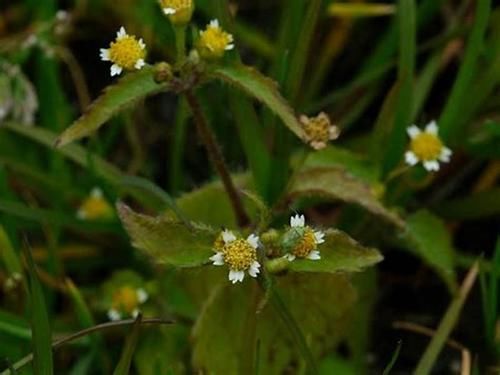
(127,90)
(166,240)
(338,184)
(428,237)
(263,89)
(339,253)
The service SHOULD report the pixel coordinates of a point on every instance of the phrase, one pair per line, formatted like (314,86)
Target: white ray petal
(413,131)
(297,221)
(314,255)
(411,158)
(236,276)
(139,64)
(114,315)
(253,240)
(290,257)
(217,259)
(431,165)
(121,33)
(254,269)
(116,70)
(432,128)
(319,236)
(169,11)
(228,236)
(105,54)
(142,295)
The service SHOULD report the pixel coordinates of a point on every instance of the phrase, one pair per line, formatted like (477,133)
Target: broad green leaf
(263,89)
(123,367)
(339,253)
(361,10)
(40,326)
(428,238)
(321,304)
(337,184)
(166,240)
(127,90)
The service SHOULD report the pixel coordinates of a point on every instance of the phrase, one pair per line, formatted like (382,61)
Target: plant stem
(216,158)
(180,43)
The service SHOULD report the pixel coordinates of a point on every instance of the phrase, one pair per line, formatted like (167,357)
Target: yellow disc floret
(214,41)
(126,51)
(178,11)
(125,300)
(426,146)
(95,207)
(306,244)
(319,130)
(239,254)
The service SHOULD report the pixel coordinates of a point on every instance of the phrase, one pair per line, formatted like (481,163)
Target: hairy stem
(216,158)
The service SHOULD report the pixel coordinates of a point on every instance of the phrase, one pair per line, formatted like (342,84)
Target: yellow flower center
(213,42)
(306,244)
(126,51)
(317,129)
(96,208)
(176,4)
(239,254)
(426,146)
(125,300)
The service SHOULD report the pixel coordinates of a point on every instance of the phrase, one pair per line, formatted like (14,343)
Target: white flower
(239,254)
(305,246)
(126,52)
(426,147)
(114,315)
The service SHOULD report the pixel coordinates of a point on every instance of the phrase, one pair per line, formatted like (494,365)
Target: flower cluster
(214,41)
(426,147)
(319,130)
(240,254)
(179,12)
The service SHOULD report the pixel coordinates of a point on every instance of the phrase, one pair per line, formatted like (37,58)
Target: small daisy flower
(319,130)
(95,207)
(426,147)
(179,12)
(214,41)
(239,254)
(126,302)
(126,52)
(302,240)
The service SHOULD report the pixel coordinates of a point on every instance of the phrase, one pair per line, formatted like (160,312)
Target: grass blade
(42,339)
(394,358)
(123,367)
(446,325)
(450,120)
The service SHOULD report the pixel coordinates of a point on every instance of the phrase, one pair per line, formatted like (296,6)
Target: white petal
(142,44)
(319,236)
(114,315)
(333,132)
(229,47)
(432,165)
(413,131)
(254,269)
(253,240)
(121,33)
(214,23)
(218,259)
(445,155)
(169,11)
(432,128)
(289,257)
(235,276)
(96,193)
(116,70)
(318,145)
(228,236)
(314,255)
(105,54)
(297,221)
(135,313)
(139,64)
(142,295)
(81,214)
(411,158)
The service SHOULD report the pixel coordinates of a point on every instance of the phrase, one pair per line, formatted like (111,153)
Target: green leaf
(127,90)
(263,89)
(40,327)
(123,367)
(428,238)
(166,240)
(337,184)
(339,253)
(321,304)
(10,257)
